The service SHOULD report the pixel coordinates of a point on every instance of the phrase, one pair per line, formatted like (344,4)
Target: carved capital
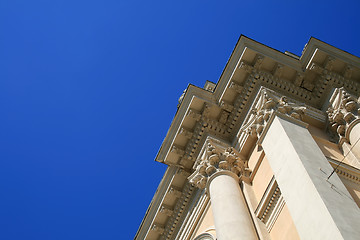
(216,159)
(343,112)
(268,103)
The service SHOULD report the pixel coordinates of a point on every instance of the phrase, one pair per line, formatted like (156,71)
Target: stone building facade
(269,152)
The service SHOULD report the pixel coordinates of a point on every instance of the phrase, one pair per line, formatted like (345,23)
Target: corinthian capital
(266,104)
(343,113)
(217,159)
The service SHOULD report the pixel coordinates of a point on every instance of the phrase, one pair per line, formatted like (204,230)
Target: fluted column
(219,173)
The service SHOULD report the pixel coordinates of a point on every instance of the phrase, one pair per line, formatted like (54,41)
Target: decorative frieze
(348,175)
(216,160)
(330,78)
(343,113)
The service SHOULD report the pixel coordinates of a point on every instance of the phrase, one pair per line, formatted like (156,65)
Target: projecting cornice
(221,111)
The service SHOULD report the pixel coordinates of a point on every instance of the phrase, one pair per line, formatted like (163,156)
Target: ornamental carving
(268,103)
(216,159)
(343,113)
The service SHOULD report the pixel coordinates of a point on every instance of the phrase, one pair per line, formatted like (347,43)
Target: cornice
(193,215)
(314,44)
(345,171)
(178,211)
(310,84)
(155,205)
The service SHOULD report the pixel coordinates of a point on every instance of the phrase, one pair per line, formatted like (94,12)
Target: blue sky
(88,90)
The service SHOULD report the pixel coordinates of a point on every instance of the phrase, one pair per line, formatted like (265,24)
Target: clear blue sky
(88,90)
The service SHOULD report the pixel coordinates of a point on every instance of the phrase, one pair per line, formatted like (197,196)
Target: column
(219,172)
(354,135)
(231,215)
(321,208)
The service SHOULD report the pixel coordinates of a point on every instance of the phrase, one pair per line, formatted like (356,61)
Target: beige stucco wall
(254,157)
(284,228)
(329,149)
(262,179)
(353,188)
(206,224)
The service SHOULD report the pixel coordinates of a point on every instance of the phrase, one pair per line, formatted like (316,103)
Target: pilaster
(291,151)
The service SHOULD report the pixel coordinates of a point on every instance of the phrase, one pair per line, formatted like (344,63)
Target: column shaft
(354,138)
(231,215)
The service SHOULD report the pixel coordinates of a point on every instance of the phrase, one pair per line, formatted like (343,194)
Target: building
(269,152)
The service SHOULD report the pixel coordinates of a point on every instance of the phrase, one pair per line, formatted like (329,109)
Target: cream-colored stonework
(268,152)
(284,228)
(207,224)
(262,179)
